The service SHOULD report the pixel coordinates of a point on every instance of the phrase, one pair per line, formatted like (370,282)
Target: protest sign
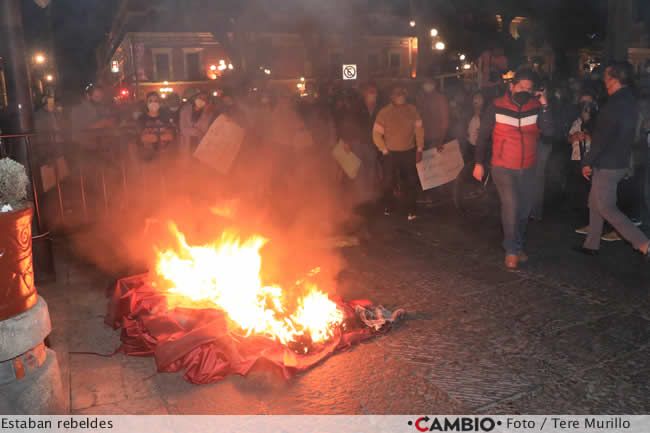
(349,162)
(220,145)
(438,168)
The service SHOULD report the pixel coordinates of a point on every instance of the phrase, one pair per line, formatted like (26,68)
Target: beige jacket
(398,128)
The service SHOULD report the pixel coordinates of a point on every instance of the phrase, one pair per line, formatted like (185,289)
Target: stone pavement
(566,334)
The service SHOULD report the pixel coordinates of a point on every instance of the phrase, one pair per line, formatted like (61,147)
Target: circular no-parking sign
(349,72)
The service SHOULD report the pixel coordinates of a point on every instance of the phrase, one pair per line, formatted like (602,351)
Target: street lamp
(440,45)
(434,33)
(412,23)
(462,57)
(49,78)
(39,58)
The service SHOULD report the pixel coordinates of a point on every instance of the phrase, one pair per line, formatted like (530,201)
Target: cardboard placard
(220,145)
(438,168)
(349,162)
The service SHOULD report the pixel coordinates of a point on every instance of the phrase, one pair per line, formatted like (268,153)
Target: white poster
(220,145)
(349,162)
(438,168)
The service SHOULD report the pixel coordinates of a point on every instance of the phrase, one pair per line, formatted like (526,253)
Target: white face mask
(199,103)
(153,107)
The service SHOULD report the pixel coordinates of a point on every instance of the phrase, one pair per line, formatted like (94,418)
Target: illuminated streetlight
(440,46)
(467,66)
(230,66)
(267,71)
(302,79)
(462,57)
(412,23)
(49,78)
(213,67)
(39,58)
(215,93)
(434,33)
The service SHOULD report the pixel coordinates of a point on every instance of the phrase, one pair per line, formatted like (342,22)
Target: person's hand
(576,136)
(586,172)
(541,97)
(418,156)
(479,172)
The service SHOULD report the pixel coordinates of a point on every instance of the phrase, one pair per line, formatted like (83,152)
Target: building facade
(164,46)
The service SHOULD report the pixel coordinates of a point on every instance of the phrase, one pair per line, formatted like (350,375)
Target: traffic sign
(349,72)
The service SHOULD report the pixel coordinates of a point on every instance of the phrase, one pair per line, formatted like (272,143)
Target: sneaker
(412,217)
(611,237)
(637,222)
(582,230)
(512,261)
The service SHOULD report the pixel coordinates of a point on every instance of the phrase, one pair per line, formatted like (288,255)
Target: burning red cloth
(200,343)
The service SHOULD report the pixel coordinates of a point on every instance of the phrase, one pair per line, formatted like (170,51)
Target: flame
(226,275)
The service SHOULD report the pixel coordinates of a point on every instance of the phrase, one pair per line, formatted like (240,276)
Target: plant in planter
(17,291)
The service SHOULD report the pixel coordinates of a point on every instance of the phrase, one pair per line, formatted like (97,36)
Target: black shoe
(585,251)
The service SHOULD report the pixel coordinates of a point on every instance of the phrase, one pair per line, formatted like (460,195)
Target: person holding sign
(514,122)
(399,136)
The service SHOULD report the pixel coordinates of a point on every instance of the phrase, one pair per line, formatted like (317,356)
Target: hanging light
(434,33)
(412,23)
(462,57)
(440,46)
(39,58)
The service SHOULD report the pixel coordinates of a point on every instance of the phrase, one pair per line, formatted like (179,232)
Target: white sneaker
(582,230)
(612,236)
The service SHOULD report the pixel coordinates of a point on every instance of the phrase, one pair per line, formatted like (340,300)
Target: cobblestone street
(565,334)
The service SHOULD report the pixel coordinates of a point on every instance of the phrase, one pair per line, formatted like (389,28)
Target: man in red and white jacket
(514,123)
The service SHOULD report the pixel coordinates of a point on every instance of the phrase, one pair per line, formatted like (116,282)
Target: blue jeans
(515,189)
(602,206)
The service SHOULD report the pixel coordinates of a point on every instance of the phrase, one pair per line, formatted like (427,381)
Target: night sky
(73,29)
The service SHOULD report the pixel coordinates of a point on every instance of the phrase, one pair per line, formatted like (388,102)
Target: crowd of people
(599,126)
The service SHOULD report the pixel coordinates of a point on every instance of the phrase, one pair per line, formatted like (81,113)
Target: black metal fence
(82,176)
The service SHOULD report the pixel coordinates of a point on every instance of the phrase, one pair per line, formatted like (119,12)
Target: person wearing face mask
(607,162)
(173,106)
(399,136)
(195,120)
(514,123)
(354,128)
(156,130)
(433,106)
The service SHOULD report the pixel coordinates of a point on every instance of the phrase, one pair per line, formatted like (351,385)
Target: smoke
(279,187)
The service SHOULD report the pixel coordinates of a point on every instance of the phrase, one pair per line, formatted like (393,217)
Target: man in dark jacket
(608,160)
(515,122)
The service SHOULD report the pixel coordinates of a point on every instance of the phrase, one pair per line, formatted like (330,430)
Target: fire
(227,275)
